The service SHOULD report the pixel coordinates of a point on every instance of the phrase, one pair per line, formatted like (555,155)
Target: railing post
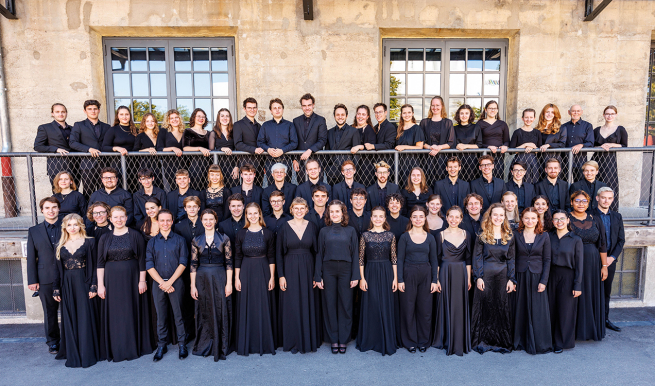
(651,198)
(570,180)
(124,171)
(215,159)
(30,180)
(395,167)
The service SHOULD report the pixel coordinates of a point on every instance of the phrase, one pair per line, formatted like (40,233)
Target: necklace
(125,131)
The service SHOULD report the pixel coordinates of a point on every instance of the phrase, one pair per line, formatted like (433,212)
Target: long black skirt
(591,304)
(377,324)
(298,307)
(257,324)
(491,322)
(213,313)
(125,314)
(79,330)
(532,329)
(453,324)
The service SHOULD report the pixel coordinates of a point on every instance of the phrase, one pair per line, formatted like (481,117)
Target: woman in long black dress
(254,278)
(452,329)
(196,138)
(416,191)
(591,305)
(125,318)
(75,287)
(439,135)
(173,142)
(410,136)
(467,136)
(214,196)
(211,287)
(495,136)
(529,139)
(70,200)
(494,270)
(120,139)
(363,123)
(435,219)
(296,248)
(553,135)
(608,136)
(542,205)
(532,329)
(417,280)
(150,140)
(379,281)
(220,138)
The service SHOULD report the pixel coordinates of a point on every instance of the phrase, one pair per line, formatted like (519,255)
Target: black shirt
(166,254)
(520,137)
(438,133)
(274,224)
(278,135)
(360,223)
(142,141)
(217,141)
(73,202)
(171,141)
(398,225)
(337,243)
(192,139)
(139,201)
(411,136)
(552,191)
(568,252)
(411,253)
(117,197)
(578,133)
(468,135)
(230,228)
(245,134)
(495,134)
(54,232)
(120,136)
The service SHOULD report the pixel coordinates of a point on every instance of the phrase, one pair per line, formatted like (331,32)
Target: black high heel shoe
(412,350)
(342,350)
(335,349)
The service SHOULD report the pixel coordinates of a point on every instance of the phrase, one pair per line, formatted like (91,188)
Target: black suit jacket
(305,191)
(617,232)
(349,138)
(374,194)
(386,135)
(245,134)
(443,189)
(584,186)
(49,138)
(184,229)
(477,186)
(41,259)
(83,137)
(537,259)
(527,187)
(256,196)
(316,138)
(289,191)
(472,227)
(562,187)
(173,195)
(340,192)
(139,203)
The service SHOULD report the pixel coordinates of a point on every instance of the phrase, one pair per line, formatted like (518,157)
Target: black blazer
(49,138)
(528,188)
(257,194)
(472,227)
(289,191)
(537,259)
(374,194)
(173,195)
(349,138)
(477,186)
(304,190)
(316,138)
(443,189)
(582,185)
(617,232)
(184,229)
(340,192)
(84,137)
(139,203)
(41,260)
(386,135)
(245,134)
(562,187)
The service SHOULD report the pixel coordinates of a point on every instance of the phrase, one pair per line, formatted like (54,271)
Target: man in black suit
(579,134)
(279,172)
(552,187)
(341,137)
(146,179)
(54,137)
(378,192)
(113,195)
(42,268)
(312,134)
(358,217)
(589,184)
(386,131)
(472,220)
(452,190)
(490,188)
(313,168)
(524,191)
(235,222)
(615,236)
(248,190)
(245,132)
(317,211)
(175,198)
(87,136)
(342,190)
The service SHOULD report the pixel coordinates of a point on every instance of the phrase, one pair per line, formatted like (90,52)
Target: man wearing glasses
(245,132)
(552,187)
(148,190)
(279,172)
(453,190)
(524,190)
(386,131)
(378,192)
(278,216)
(358,217)
(490,188)
(113,195)
(341,191)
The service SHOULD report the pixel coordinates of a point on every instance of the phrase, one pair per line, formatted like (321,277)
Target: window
(627,278)
(12,296)
(460,71)
(154,75)
(650,101)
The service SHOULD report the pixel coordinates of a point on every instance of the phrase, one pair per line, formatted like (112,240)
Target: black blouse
(438,133)
(171,141)
(375,246)
(620,136)
(591,230)
(142,141)
(411,136)
(520,136)
(288,243)
(193,139)
(219,252)
(398,225)
(73,202)
(468,135)
(556,140)
(497,253)
(568,252)
(411,253)
(534,258)
(218,141)
(495,134)
(368,134)
(411,200)
(118,136)
(247,247)
(119,248)
(337,243)
(83,258)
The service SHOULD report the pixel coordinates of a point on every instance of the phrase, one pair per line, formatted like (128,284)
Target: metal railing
(629,170)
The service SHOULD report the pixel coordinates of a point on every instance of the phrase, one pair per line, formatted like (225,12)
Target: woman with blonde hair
(75,288)
(439,135)
(70,200)
(215,194)
(409,136)
(150,140)
(173,142)
(220,138)
(510,203)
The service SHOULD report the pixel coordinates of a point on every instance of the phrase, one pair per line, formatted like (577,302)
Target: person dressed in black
(553,187)
(70,200)
(314,178)
(113,195)
(363,123)
(254,278)
(524,191)
(379,281)
(410,136)
(279,172)
(579,134)
(453,190)
(529,139)
(495,136)
(175,198)
(278,216)
(565,282)
(489,187)
(397,222)
(174,143)
(311,131)
(416,191)
(590,322)
(439,135)
(75,286)
(98,216)
(553,134)
(213,197)
(245,133)
(468,135)
(542,205)
(196,138)
(54,137)
(337,273)
(299,310)
(87,137)
(343,189)
(277,137)
(233,224)
(318,212)
(341,137)
(358,217)
(211,287)
(150,139)
(435,217)
(589,184)
(150,226)
(418,274)
(452,320)
(494,271)
(148,190)
(608,136)
(42,269)
(248,190)
(473,217)
(532,328)
(125,316)
(121,139)
(378,192)
(221,138)
(510,203)
(385,133)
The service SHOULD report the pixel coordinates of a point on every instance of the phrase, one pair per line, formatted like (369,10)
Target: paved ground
(626,358)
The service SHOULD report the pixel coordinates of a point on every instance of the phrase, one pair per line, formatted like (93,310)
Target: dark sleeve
(419,136)
(589,136)
(266,204)
(140,250)
(354,253)
(505,134)
(227,248)
(183,251)
(170,141)
(478,259)
(212,140)
(238,140)
(602,240)
(439,241)
(195,258)
(138,145)
(402,244)
(514,142)
(150,254)
(129,207)
(450,138)
(92,261)
(540,140)
(56,284)
(322,137)
(546,258)
(623,136)
(434,263)
(468,252)
(81,205)
(293,139)
(41,141)
(579,261)
(389,139)
(270,246)
(238,250)
(279,251)
(102,250)
(74,141)
(620,240)
(108,141)
(357,140)
(32,268)
(511,261)
(561,139)
(318,273)
(477,134)
(161,140)
(261,139)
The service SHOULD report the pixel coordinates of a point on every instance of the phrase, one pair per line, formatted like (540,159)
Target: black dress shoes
(53,349)
(342,349)
(183,351)
(558,350)
(412,350)
(612,326)
(335,349)
(160,353)
(422,349)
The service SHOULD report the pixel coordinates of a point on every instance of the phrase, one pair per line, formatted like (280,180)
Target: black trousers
(50,314)
(611,270)
(563,306)
(337,301)
(162,301)
(416,306)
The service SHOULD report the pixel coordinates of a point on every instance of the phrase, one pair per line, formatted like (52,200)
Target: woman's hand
(57,298)
(529,148)
(143,287)
(119,149)
(541,287)
(481,285)
(355,149)
(576,293)
(493,149)
(510,286)
(151,150)
(177,151)
(438,286)
(400,147)
(606,146)
(228,290)
(544,147)
(434,150)
(226,150)
(102,292)
(353,283)
(283,284)
(460,147)
(394,286)
(204,151)
(503,149)
(271,283)
(363,285)
(237,284)
(401,287)
(319,284)
(92,295)
(235,173)
(433,288)
(603,273)
(194,292)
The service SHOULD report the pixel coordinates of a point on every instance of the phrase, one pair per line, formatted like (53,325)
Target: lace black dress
(79,328)
(215,201)
(452,328)
(298,321)
(211,264)
(591,304)
(377,321)
(491,321)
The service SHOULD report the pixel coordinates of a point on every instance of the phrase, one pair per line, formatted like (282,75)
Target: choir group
(485,265)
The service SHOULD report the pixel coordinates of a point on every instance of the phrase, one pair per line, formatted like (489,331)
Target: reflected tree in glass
(394,103)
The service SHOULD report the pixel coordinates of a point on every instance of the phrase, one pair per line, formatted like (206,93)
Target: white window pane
(206,105)
(220,104)
(219,85)
(432,84)
(415,59)
(121,102)
(182,57)
(456,84)
(492,59)
(119,59)
(219,59)
(415,84)
(473,84)
(397,57)
(453,105)
(417,104)
(158,84)
(121,84)
(491,84)
(433,59)
(397,84)
(201,84)
(157,58)
(140,85)
(474,59)
(200,59)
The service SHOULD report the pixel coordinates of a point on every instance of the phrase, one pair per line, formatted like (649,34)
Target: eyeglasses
(348,170)
(610,113)
(277,202)
(559,219)
(104,212)
(518,170)
(382,173)
(486,165)
(581,201)
(108,178)
(358,198)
